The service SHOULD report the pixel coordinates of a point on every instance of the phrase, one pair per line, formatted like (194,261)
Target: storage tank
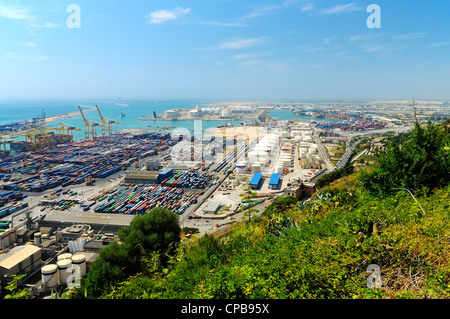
(278,169)
(64,270)
(37,238)
(256,168)
(49,275)
(258,156)
(64,256)
(80,260)
(284,134)
(240,168)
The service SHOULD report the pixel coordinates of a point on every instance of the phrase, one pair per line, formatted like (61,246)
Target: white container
(37,238)
(80,261)
(49,275)
(64,270)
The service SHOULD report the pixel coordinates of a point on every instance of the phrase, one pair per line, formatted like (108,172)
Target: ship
(122,114)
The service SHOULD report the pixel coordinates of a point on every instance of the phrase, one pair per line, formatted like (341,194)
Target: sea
(133,111)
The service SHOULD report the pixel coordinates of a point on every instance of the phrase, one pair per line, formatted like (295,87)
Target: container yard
(79,162)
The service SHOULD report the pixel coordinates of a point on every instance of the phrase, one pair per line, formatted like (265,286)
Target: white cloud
(44,25)
(349,7)
(440,44)
(15,12)
(30,44)
(260,12)
(240,43)
(307,7)
(27,58)
(364,37)
(161,16)
(411,36)
(372,48)
(245,56)
(221,24)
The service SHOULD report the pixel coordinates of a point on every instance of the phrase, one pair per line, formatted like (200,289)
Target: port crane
(106,123)
(90,128)
(67,129)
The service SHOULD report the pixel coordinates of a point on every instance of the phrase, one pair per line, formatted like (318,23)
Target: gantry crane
(90,128)
(106,123)
(67,129)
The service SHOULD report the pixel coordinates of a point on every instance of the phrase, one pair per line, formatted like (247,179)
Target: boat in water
(122,114)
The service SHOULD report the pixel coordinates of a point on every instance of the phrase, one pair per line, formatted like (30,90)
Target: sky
(252,50)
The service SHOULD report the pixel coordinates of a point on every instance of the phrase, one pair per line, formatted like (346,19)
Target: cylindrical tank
(44,237)
(278,169)
(80,260)
(284,134)
(37,238)
(64,270)
(256,168)
(64,256)
(49,275)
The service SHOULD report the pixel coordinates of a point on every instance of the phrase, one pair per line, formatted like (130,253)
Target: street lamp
(404,189)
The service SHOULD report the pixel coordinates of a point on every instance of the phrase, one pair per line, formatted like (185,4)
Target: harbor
(75,196)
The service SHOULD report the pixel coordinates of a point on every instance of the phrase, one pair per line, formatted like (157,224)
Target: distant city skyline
(292,50)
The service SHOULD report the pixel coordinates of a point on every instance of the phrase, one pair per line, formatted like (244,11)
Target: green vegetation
(334,175)
(150,238)
(419,162)
(321,248)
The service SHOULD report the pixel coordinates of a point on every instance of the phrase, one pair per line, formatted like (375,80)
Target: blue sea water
(15,111)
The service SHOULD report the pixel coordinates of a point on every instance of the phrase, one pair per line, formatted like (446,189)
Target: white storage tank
(80,260)
(240,168)
(49,275)
(284,134)
(37,238)
(278,169)
(64,270)
(64,256)
(256,168)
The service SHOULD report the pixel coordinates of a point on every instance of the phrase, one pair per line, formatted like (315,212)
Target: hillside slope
(322,250)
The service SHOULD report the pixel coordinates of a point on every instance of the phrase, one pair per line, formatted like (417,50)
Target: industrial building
(111,223)
(274,181)
(212,208)
(142,177)
(20,260)
(256,180)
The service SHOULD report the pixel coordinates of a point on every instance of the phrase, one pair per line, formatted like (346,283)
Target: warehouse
(111,223)
(212,208)
(256,180)
(165,174)
(20,260)
(274,181)
(142,177)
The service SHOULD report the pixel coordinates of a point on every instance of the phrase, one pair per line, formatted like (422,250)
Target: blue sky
(225,50)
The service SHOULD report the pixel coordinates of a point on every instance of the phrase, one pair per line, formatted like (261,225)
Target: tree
(159,230)
(156,232)
(418,162)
